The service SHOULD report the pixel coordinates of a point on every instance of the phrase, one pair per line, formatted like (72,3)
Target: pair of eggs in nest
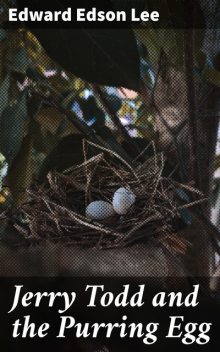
(122,200)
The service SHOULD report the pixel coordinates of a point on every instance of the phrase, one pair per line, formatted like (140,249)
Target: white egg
(99,210)
(123,199)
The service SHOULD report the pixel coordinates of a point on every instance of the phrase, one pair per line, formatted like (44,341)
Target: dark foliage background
(122,89)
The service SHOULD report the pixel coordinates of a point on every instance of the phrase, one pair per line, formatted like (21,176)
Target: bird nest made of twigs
(56,211)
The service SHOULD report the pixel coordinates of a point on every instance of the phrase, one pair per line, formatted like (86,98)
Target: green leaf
(217,162)
(12,122)
(3,34)
(20,61)
(20,174)
(212,76)
(169,41)
(4,87)
(107,51)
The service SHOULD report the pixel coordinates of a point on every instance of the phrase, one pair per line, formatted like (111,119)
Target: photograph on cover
(110,144)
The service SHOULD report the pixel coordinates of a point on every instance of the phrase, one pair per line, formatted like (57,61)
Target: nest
(56,210)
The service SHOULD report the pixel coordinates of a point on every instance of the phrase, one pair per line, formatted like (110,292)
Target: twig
(114,117)
(189,69)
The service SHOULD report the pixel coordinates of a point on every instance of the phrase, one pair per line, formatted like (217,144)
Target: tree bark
(190,109)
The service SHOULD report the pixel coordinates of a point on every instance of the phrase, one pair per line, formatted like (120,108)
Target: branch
(189,70)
